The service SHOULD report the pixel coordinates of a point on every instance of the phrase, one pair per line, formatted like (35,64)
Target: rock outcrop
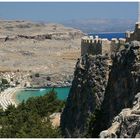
(13,30)
(123,84)
(86,94)
(126,124)
(121,93)
(94,87)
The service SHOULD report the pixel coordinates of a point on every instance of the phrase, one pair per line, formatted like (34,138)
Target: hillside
(45,48)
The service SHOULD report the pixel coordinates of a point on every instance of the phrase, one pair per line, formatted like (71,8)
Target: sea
(62,92)
(25,94)
(108,35)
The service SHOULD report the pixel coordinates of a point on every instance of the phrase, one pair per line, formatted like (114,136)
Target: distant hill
(101,25)
(47,48)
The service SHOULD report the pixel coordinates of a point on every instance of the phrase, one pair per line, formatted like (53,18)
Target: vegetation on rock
(101,91)
(37,75)
(4,81)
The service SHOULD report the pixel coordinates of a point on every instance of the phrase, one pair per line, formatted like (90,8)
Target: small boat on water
(42,89)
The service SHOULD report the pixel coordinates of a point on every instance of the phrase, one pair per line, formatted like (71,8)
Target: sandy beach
(8,97)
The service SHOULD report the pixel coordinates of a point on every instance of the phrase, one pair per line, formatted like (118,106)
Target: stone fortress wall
(94,46)
(134,35)
(90,45)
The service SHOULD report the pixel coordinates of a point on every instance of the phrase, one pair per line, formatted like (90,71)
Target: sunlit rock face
(86,94)
(123,83)
(110,89)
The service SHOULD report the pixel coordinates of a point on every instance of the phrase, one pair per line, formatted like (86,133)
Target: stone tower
(135,35)
(90,45)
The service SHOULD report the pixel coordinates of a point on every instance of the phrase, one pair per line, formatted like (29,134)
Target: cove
(25,94)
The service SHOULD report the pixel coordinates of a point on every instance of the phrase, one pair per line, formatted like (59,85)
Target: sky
(63,11)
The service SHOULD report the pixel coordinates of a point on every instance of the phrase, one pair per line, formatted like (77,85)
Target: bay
(25,94)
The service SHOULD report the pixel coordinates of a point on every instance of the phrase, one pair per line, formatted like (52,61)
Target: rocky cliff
(95,87)
(123,85)
(126,124)
(86,94)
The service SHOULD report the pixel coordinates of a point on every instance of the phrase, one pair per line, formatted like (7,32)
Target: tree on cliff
(31,118)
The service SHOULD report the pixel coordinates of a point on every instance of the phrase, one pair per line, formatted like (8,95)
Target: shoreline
(13,97)
(8,96)
(46,87)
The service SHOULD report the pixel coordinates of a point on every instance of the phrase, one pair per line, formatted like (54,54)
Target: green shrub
(17,82)
(37,75)
(4,81)
(91,121)
(28,119)
(48,78)
(11,79)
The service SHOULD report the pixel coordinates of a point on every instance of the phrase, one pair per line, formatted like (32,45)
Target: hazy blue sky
(60,11)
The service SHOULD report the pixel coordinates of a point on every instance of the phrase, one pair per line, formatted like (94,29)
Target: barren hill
(46,48)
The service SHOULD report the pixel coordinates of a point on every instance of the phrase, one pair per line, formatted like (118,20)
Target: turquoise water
(62,93)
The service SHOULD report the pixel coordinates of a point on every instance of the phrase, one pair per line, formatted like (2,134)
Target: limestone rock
(111,91)
(123,85)
(127,123)
(86,94)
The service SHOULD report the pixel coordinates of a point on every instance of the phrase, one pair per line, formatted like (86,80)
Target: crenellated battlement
(117,44)
(90,45)
(98,45)
(134,35)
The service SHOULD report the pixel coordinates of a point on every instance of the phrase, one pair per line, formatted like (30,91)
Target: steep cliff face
(86,94)
(94,87)
(123,84)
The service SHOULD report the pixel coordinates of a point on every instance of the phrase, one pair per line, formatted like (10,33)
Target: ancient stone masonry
(134,35)
(96,87)
(104,99)
(95,46)
(117,44)
(90,45)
